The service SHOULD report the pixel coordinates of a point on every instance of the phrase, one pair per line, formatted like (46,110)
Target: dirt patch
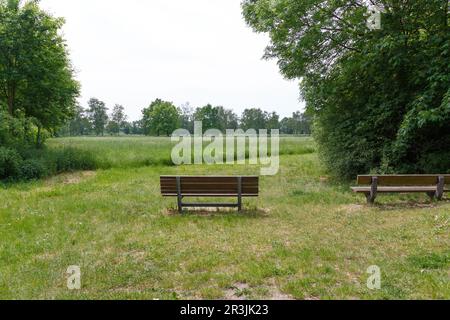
(407,205)
(71,178)
(242,291)
(210,212)
(352,208)
(275,293)
(401,205)
(237,292)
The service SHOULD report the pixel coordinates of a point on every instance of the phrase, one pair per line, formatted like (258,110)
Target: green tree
(209,116)
(160,118)
(273,121)
(117,119)
(380,98)
(230,119)
(187,117)
(79,125)
(98,115)
(137,127)
(299,123)
(36,76)
(216,118)
(254,119)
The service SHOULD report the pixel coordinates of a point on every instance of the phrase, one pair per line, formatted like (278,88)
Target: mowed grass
(305,237)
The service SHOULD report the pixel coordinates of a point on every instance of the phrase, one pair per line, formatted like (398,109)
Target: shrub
(32,169)
(10,162)
(15,131)
(29,163)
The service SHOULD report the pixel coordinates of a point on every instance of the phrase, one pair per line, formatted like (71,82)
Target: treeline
(161,118)
(96,120)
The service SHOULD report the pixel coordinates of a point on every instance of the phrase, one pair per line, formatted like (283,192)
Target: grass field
(305,237)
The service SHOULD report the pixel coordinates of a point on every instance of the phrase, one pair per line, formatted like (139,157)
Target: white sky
(132,52)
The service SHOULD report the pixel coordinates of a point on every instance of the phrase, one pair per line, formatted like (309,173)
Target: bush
(16,132)
(32,169)
(10,162)
(29,163)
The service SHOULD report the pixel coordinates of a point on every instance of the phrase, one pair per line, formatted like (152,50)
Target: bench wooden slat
(185,189)
(403,180)
(396,189)
(212,195)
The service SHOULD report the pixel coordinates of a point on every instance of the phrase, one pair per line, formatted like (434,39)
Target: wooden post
(179,196)
(440,188)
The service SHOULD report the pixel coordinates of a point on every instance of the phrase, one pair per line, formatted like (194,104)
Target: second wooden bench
(433,185)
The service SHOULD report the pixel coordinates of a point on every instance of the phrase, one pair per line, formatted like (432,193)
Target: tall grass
(29,163)
(135,152)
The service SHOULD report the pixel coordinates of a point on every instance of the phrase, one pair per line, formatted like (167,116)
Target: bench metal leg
(373,191)
(440,188)
(179,196)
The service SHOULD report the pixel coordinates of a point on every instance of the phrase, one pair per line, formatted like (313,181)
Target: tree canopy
(36,76)
(380,98)
(216,118)
(160,118)
(98,115)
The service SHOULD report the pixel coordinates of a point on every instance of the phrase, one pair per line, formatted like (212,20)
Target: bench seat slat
(403,180)
(396,189)
(211,195)
(215,190)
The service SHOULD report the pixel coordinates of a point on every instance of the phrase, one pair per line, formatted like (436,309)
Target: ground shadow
(411,204)
(213,212)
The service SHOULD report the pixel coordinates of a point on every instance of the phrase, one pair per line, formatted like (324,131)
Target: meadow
(306,237)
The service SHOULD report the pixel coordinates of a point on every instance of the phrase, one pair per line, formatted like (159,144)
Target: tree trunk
(39,137)
(11,99)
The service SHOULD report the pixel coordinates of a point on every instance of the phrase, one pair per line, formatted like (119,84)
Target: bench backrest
(210,185)
(404,180)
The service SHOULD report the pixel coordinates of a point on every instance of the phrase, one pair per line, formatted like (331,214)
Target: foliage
(254,119)
(98,115)
(117,120)
(186,117)
(10,162)
(32,169)
(36,77)
(216,118)
(298,124)
(29,163)
(160,118)
(380,98)
(79,125)
(72,159)
(15,131)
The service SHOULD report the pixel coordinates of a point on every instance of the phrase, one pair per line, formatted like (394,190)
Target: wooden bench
(209,186)
(434,185)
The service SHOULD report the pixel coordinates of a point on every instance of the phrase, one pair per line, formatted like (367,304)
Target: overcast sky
(201,51)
